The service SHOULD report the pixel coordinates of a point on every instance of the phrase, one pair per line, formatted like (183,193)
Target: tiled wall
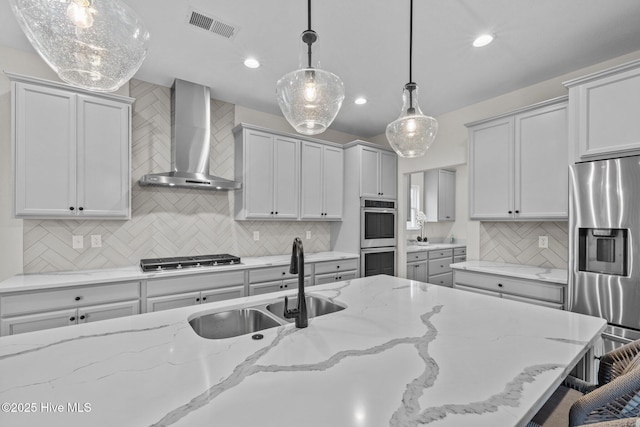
(165,222)
(517,242)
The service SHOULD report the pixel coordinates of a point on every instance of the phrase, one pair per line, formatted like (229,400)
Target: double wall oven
(378,239)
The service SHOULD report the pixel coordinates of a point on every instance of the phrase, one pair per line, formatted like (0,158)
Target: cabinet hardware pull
(80,208)
(499,285)
(71,208)
(517,212)
(77,298)
(276,212)
(82,317)
(510,212)
(72,319)
(197,299)
(204,298)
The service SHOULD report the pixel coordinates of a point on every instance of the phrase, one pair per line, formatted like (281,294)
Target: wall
(450,148)
(165,221)
(517,243)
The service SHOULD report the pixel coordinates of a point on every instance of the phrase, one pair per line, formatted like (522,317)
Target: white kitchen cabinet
(187,299)
(269,168)
(518,164)
(604,109)
(321,182)
(417,265)
(378,173)
(71,152)
(525,290)
(273,279)
(335,271)
(440,195)
(194,289)
(37,310)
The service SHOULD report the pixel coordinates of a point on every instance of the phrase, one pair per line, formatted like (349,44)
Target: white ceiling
(366,43)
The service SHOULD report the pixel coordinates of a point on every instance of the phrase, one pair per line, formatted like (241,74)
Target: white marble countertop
(403,353)
(434,246)
(28,282)
(551,275)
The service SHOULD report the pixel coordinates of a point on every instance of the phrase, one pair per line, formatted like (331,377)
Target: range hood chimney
(190,141)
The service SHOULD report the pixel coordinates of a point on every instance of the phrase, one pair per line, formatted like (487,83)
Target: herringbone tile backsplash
(517,243)
(165,222)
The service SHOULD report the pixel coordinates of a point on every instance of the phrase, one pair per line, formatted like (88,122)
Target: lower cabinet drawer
(34,302)
(534,301)
(322,279)
(439,266)
(511,286)
(445,279)
(336,266)
(193,282)
(476,290)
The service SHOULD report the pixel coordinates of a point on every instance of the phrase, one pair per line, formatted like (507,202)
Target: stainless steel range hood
(190,139)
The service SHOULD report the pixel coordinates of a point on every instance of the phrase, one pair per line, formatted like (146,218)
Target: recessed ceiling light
(251,63)
(361,100)
(483,40)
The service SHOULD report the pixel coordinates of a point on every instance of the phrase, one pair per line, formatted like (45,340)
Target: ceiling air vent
(212,24)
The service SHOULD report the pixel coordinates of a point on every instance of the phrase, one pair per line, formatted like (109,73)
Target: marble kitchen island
(403,353)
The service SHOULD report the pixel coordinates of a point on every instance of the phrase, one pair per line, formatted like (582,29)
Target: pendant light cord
(411,84)
(309,36)
(410,41)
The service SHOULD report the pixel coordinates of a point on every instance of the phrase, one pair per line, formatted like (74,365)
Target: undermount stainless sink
(232,323)
(315,307)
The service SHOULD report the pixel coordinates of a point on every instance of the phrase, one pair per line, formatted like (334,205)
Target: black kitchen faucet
(297,267)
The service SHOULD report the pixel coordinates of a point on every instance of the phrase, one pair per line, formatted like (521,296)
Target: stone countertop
(28,282)
(434,247)
(551,275)
(403,353)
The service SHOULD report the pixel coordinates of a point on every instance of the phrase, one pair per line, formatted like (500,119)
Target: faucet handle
(289,314)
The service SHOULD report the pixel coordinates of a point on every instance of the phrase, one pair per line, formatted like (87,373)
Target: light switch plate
(308,234)
(256,235)
(77,242)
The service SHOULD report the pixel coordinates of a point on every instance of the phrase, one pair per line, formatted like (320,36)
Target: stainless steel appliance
(190,142)
(176,263)
(378,236)
(377,223)
(378,261)
(604,245)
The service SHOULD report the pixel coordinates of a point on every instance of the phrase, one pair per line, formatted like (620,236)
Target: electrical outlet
(308,234)
(256,235)
(543,241)
(96,240)
(77,242)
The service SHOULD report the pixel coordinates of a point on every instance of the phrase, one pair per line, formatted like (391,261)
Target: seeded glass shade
(310,99)
(411,134)
(97,45)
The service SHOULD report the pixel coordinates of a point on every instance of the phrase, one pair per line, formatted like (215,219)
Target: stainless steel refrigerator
(604,245)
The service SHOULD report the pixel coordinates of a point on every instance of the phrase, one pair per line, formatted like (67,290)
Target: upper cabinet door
(491,170)
(542,158)
(446,195)
(286,173)
(369,172)
(103,158)
(72,152)
(388,175)
(604,113)
(45,150)
(258,174)
(333,179)
(311,202)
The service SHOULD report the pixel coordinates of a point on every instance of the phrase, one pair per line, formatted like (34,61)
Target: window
(414,194)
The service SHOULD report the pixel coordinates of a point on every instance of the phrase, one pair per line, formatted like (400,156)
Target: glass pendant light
(96,45)
(411,134)
(310,98)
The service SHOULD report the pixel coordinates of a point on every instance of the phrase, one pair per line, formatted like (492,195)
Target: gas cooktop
(176,263)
